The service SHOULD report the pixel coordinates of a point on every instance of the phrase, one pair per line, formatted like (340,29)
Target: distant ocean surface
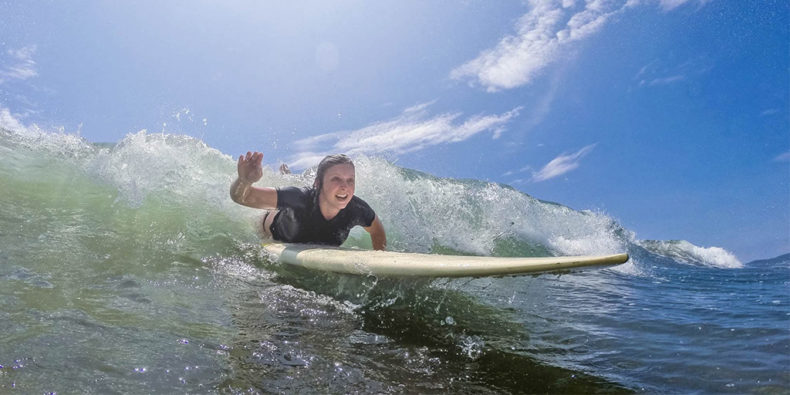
(125,268)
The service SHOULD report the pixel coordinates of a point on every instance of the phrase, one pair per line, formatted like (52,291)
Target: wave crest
(422,213)
(684,252)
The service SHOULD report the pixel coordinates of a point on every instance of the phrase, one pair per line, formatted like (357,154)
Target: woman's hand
(249,167)
(242,191)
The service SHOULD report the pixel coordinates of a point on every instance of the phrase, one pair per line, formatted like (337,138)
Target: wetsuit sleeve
(292,197)
(363,214)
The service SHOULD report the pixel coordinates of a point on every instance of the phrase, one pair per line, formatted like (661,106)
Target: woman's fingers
(252,159)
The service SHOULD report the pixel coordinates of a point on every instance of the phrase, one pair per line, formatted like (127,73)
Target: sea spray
(422,213)
(685,252)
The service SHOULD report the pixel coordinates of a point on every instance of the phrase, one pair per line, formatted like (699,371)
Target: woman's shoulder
(295,197)
(360,204)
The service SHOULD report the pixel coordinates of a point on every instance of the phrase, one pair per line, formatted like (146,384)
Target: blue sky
(672,116)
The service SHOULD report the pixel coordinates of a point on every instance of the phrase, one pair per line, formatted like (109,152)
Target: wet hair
(326,163)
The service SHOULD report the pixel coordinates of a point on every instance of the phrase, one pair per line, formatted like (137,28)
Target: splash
(684,252)
(422,213)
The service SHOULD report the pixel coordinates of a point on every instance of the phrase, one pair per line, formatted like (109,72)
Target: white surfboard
(402,264)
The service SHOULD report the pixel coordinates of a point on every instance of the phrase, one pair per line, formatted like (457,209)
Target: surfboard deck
(404,264)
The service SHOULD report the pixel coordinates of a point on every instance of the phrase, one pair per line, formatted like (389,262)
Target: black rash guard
(300,220)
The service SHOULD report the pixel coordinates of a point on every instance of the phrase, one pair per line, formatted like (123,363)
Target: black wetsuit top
(300,220)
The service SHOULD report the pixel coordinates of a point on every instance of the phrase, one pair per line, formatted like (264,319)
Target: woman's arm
(242,191)
(377,234)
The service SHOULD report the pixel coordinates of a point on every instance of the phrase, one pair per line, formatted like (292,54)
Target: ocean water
(125,268)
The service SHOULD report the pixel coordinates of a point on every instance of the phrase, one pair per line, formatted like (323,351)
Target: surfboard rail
(403,264)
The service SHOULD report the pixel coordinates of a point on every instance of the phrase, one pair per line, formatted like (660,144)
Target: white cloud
(306,159)
(664,80)
(770,111)
(21,64)
(669,5)
(310,143)
(785,157)
(514,172)
(9,122)
(13,122)
(561,164)
(413,130)
(543,36)
(660,73)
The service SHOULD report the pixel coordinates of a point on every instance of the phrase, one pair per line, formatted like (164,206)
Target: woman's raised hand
(249,167)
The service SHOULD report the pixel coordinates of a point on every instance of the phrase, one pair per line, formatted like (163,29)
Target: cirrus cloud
(548,32)
(415,129)
(20,64)
(785,157)
(561,164)
(544,35)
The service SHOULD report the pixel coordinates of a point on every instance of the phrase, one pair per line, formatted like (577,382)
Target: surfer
(323,214)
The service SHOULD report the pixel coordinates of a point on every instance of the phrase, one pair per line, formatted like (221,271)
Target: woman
(323,214)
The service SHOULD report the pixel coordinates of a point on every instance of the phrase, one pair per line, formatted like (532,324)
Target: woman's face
(338,188)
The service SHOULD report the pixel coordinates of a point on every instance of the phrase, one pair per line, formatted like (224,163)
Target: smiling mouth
(341,197)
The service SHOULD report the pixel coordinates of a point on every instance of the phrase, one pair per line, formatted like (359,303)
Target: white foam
(419,211)
(55,142)
(470,216)
(143,163)
(685,252)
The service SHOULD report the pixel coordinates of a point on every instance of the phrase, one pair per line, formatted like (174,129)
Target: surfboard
(404,264)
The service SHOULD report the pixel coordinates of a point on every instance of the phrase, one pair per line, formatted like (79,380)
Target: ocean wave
(475,217)
(684,252)
(422,213)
